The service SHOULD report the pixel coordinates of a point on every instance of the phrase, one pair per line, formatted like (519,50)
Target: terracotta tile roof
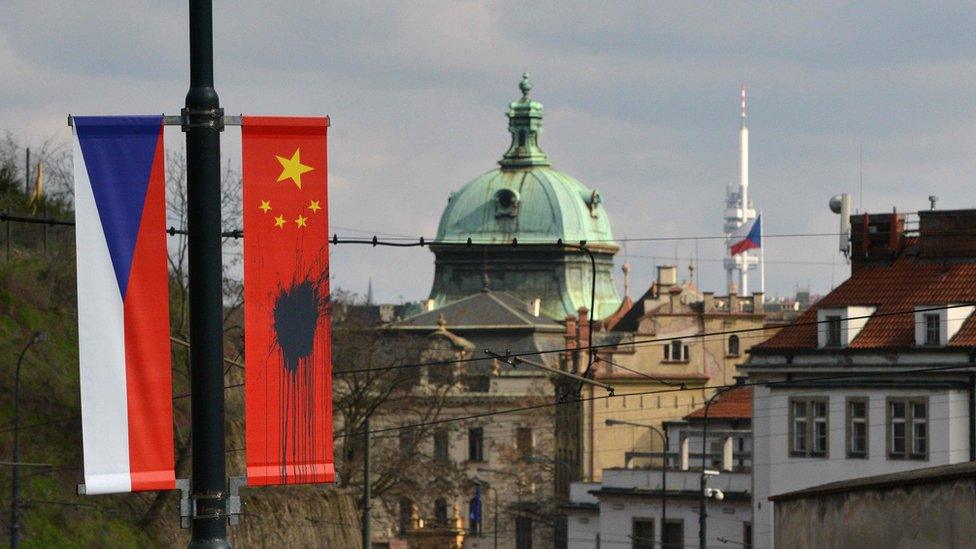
(733,404)
(893,289)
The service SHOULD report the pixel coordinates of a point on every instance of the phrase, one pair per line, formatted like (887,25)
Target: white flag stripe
(101,348)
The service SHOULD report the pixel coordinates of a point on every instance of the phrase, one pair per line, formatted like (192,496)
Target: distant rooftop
(895,272)
(733,404)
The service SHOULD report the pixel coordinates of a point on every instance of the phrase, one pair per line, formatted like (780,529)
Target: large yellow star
(265,206)
(292,168)
(280,221)
(314,206)
(301,220)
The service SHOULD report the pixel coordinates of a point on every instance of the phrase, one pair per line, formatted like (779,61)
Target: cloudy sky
(641,102)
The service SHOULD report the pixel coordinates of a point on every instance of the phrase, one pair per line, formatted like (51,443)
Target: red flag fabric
(287,333)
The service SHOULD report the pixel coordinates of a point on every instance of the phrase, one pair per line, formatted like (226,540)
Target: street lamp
(517,480)
(36,337)
(664,465)
(704,492)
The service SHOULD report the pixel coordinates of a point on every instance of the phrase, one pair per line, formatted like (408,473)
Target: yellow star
(292,168)
(265,206)
(280,221)
(301,220)
(314,206)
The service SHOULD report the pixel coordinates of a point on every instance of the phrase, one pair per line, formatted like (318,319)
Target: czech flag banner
(123,304)
(746,237)
(287,331)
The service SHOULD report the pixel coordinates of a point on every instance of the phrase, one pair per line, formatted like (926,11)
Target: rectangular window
(809,427)
(406,443)
(798,417)
(442,446)
(833,331)
(747,535)
(908,433)
(476,444)
(523,442)
(819,438)
(523,532)
(673,534)
(676,351)
(933,335)
(857,427)
(642,534)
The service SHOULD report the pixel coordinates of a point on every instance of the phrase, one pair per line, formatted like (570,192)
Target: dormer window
(933,329)
(506,203)
(833,331)
(937,324)
(838,326)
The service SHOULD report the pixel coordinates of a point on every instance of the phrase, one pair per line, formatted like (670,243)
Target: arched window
(733,345)
(440,511)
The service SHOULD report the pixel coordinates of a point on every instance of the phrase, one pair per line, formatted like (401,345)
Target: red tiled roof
(895,290)
(733,404)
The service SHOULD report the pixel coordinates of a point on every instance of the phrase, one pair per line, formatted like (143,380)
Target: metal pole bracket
(186,508)
(234,506)
(202,118)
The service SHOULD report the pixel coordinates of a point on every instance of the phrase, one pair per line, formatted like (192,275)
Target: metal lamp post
(202,124)
(702,496)
(36,337)
(517,480)
(664,464)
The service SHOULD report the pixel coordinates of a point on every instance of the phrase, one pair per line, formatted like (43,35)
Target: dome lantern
(525,125)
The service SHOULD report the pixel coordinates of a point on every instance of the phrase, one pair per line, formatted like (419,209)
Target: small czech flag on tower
(746,237)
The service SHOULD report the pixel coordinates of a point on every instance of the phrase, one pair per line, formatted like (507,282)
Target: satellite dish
(836,203)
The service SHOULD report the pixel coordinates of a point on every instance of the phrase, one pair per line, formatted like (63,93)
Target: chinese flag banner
(287,333)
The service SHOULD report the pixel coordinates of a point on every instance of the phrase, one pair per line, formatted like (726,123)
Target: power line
(641,342)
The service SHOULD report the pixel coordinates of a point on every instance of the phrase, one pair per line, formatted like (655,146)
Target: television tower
(738,212)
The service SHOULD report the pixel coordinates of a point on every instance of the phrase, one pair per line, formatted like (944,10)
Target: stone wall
(937,514)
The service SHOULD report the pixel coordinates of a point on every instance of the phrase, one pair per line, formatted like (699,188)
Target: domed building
(525,200)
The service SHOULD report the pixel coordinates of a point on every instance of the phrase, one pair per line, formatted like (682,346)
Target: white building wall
(583,529)
(776,472)
(726,519)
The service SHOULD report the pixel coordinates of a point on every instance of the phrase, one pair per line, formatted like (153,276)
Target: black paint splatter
(299,312)
(296,314)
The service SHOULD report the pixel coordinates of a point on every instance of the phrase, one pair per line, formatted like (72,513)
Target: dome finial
(525,124)
(525,85)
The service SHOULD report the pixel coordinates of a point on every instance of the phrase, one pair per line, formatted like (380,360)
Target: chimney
(876,238)
(947,234)
(429,305)
(708,302)
(667,275)
(584,326)
(758,302)
(534,307)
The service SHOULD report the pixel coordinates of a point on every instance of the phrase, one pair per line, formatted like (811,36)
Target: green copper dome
(526,199)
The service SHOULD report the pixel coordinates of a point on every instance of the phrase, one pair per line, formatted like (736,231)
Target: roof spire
(525,85)
(525,125)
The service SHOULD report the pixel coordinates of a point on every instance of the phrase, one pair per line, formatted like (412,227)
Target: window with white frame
(833,331)
(809,427)
(857,427)
(676,351)
(933,331)
(908,433)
